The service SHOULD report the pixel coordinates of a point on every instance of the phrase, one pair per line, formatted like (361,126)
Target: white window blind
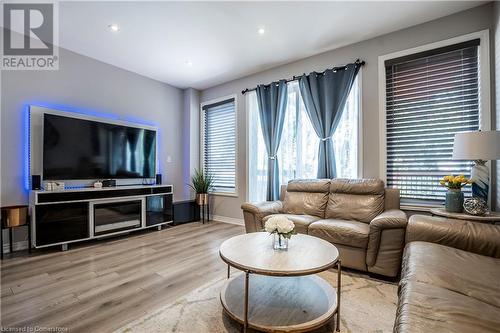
(220,145)
(430,96)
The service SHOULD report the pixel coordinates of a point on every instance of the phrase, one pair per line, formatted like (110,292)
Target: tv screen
(76,148)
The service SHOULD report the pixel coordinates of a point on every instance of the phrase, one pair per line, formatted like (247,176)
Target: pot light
(189,63)
(261,31)
(114,27)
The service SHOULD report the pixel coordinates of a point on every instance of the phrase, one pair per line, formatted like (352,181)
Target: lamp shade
(484,145)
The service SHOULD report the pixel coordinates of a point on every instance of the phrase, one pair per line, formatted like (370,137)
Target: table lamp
(480,146)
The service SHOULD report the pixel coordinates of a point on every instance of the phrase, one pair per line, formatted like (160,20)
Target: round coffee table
(278,291)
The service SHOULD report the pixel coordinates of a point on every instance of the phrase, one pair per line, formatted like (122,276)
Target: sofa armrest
(475,237)
(392,198)
(390,219)
(253,213)
(386,242)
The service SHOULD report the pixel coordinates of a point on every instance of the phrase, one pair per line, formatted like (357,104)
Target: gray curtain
(272,106)
(325,95)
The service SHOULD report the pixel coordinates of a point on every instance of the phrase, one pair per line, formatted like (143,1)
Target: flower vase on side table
(454,201)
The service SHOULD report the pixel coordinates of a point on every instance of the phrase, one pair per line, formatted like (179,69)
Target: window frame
(360,170)
(202,141)
(484,95)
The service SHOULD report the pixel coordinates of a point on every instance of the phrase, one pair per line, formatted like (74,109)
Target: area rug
(367,305)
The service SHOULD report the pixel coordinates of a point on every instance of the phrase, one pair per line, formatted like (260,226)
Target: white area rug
(367,305)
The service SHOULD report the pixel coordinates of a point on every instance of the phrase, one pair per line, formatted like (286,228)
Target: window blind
(220,144)
(430,96)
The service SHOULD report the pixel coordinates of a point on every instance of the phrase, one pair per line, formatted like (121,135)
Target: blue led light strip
(70,109)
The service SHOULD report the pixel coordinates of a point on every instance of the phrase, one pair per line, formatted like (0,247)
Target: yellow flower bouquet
(454,182)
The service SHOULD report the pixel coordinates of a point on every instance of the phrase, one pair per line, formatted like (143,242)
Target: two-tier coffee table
(278,291)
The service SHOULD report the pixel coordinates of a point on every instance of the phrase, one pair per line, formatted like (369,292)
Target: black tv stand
(73,215)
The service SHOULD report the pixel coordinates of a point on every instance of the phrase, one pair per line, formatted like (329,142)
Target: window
(430,96)
(298,151)
(219,144)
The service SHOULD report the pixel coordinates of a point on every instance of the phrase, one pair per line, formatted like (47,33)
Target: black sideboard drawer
(163,189)
(62,222)
(49,197)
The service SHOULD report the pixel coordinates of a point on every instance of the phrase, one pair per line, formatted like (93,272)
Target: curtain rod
(296,77)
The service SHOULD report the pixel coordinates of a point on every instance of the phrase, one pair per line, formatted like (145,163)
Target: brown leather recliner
(359,216)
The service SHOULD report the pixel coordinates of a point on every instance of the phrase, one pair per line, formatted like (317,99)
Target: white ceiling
(157,39)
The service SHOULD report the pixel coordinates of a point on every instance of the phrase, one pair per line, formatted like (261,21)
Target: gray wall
(191,136)
(86,83)
(496,56)
(473,20)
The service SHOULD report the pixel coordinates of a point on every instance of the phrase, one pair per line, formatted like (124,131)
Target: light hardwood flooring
(102,285)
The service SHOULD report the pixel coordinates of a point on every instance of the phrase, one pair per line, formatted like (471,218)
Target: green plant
(200,182)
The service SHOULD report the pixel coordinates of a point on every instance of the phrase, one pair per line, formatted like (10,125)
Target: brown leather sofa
(359,216)
(450,280)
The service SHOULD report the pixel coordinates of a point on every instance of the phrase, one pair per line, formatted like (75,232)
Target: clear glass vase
(280,242)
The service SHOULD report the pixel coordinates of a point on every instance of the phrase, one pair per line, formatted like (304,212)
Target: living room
(174,166)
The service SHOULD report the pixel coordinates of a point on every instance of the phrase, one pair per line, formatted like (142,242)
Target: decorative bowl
(475,206)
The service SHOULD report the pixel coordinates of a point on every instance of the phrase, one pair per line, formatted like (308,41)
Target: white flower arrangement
(280,225)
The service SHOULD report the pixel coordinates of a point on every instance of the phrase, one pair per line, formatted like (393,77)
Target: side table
(491,217)
(11,217)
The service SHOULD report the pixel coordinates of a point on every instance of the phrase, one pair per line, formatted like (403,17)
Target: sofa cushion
(357,186)
(424,307)
(444,289)
(480,238)
(344,232)
(309,185)
(460,271)
(301,222)
(307,197)
(355,199)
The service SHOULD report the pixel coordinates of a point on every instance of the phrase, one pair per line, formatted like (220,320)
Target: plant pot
(201,198)
(454,201)
(280,242)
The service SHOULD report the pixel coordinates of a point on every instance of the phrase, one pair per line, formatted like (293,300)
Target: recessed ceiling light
(261,31)
(189,63)
(114,27)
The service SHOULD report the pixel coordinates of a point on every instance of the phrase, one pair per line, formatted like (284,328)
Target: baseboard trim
(227,219)
(16,246)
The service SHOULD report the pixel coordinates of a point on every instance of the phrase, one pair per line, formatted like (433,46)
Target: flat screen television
(75,148)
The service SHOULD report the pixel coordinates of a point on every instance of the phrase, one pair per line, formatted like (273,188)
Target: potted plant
(201,183)
(282,230)
(454,196)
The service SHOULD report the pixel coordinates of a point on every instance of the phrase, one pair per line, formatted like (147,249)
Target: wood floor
(100,286)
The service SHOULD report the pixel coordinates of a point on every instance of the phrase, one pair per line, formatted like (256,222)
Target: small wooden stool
(11,217)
